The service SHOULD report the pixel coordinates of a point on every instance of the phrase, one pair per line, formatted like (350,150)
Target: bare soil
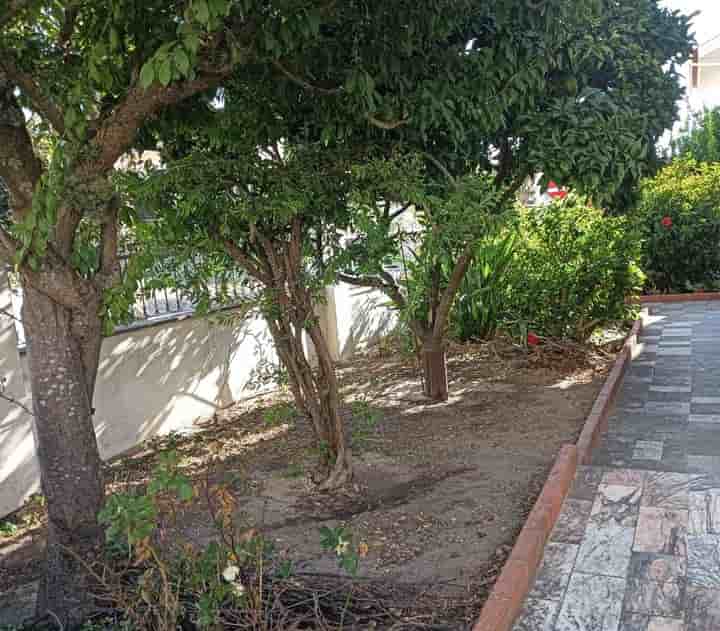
(440,492)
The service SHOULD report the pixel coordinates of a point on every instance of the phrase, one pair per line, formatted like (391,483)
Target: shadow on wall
(160,379)
(151,381)
(363,317)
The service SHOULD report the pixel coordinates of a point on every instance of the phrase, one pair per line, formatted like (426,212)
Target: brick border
(506,599)
(694,297)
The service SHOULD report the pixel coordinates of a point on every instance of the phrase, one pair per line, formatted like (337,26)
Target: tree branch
(116,133)
(8,247)
(441,167)
(19,166)
(109,263)
(383,281)
(298,80)
(39,102)
(14,401)
(245,261)
(448,295)
(387,124)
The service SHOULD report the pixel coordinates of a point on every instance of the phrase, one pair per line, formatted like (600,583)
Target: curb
(507,597)
(515,581)
(596,421)
(694,297)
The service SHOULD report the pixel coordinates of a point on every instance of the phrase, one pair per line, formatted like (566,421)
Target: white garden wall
(162,378)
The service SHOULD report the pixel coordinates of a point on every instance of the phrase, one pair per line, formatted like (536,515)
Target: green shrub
(573,271)
(560,271)
(482,299)
(679,219)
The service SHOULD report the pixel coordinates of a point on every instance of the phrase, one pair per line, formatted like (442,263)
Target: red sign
(555,191)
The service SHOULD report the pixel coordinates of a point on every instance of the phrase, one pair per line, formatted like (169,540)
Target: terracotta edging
(694,297)
(506,599)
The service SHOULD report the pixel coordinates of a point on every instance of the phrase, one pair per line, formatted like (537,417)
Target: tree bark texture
(435,371)
(64,347)
(278,265)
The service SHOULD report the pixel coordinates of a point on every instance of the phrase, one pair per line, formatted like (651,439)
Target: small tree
(79,81)
(572,104)
(262,208)
(702,141)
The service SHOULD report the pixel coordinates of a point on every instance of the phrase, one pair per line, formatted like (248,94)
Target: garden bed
(440,491)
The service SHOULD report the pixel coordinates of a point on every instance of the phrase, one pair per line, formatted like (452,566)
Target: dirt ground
(440,490)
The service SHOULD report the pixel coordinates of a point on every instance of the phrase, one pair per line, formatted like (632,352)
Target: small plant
(278,414)
(365,420)
(8,529)
(340,542)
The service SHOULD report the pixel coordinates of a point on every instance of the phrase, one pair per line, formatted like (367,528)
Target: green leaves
(147,74)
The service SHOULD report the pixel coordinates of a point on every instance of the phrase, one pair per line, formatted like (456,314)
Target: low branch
(20,168)
(14,401)
(8,247)
(298,80)
(39,102)
(383,281)
(109,270)
(448,295)
(387,124)
(440,167)
(245,261)
(10,315)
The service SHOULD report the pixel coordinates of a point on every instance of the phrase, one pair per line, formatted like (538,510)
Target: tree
(702,141)
(564,92)
(78,82)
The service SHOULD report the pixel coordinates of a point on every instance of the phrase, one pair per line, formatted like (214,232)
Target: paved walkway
(637,546)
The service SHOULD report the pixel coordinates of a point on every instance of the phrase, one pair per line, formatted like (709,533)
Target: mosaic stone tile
(666,490)
(625,477)
(606,549)
(665,599)
(674,351)
(703,558)
(661,530)
(704,418)
(704,518)
(679,389)
(680,408)
(554,572)
(648,450)
(641,622)
(703,609)
(657,567)
(616,504)
(537,615)
(706,400)
(592,603)
(703,464)
(570,526)
(587,479)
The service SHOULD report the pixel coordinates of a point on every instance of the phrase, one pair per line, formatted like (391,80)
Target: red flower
(666,222)
(532,339)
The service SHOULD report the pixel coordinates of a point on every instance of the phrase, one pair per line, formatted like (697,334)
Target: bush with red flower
(678,216)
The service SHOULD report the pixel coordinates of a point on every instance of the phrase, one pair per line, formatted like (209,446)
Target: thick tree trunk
(435,370)
(64,346)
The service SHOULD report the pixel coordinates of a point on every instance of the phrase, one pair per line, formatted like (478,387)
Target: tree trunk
(64,346)
(435,370)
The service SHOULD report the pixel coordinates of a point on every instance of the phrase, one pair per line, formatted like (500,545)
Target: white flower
(239,589)
(230,573)
(341,547)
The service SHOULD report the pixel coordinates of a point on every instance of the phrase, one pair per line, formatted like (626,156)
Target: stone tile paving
(637,545)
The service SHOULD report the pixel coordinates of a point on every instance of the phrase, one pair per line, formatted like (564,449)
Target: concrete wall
(162,378)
